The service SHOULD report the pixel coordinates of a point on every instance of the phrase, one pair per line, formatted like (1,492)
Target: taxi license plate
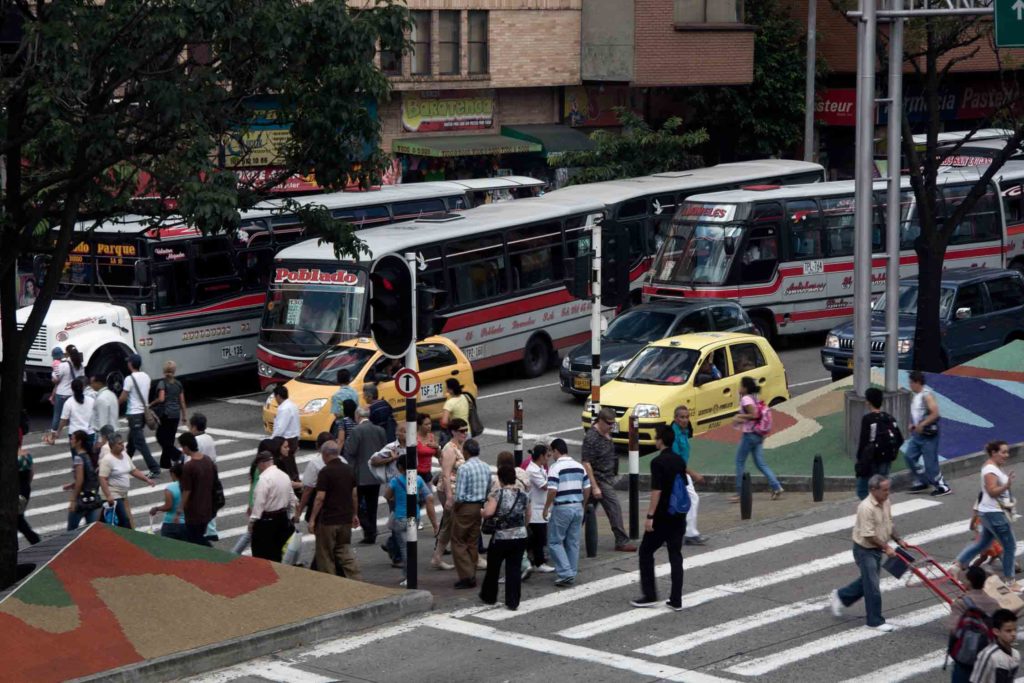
(849,363)
(581,383)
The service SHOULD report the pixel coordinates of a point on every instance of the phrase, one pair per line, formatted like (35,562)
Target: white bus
(172,294)
(647,205)
(500,268)
(787,254)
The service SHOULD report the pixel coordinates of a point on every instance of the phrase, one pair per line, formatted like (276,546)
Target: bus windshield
(660,365)
(314,306)
(324,370)
(697,253)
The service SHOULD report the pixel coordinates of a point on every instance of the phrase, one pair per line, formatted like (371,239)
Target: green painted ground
(45,589)
(1008,358)
(169,549)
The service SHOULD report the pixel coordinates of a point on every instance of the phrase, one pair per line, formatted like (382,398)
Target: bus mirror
(40,263)
(142,273)
(578,274)
(730,246)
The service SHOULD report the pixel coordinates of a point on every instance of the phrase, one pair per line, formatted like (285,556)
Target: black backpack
(888,439)
(973,633)
(218,492)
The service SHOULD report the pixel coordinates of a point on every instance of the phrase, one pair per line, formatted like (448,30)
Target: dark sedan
(633,329)
(980,309)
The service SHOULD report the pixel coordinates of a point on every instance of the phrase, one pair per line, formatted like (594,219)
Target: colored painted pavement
(114,597)
(979,401)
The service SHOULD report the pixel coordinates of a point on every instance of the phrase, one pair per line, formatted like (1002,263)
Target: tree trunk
(11,370)
(927,337)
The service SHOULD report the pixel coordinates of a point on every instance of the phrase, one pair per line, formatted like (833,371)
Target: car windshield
(908,301)
(695,253)
(660,365)
(324,370)
(640,326)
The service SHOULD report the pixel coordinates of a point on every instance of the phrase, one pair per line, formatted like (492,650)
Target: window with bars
(479,62)
(420,39)
(449,37)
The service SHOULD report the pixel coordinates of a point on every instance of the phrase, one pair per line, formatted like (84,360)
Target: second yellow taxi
(312,389)
(700,371)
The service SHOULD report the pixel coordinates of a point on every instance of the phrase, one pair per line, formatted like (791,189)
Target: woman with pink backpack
(755,420)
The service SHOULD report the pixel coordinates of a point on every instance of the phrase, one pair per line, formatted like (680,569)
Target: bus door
(758,254)
(632,215)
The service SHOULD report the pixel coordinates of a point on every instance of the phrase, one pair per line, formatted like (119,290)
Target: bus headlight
(264,370)
(314,406)
(831,342)
(643,410)
(904,345)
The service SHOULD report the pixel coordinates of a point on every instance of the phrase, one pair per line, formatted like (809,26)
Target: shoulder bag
(151,418)
(490,525)
(476,427)
(89,497)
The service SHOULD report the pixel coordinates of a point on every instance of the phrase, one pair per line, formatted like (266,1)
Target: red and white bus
(787,253)
(499,266)
(647,205)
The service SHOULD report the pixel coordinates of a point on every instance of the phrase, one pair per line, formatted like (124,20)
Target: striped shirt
(568,478)
(995,665)
(472,481)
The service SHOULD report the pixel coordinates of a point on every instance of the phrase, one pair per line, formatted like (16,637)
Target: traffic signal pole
(411,477)
(595,324)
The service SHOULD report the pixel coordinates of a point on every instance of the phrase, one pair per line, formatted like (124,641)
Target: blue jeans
(564,528)
(993,525)
(121,514)
(926,447)
(137,441)
(58,408)
(753,443)
(75,518)
(869,561)
(862,482)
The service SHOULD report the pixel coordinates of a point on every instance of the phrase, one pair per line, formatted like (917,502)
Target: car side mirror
(700,380)
(963,313)
(730,246)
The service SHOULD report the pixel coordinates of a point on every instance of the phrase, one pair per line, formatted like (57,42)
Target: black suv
(634,328)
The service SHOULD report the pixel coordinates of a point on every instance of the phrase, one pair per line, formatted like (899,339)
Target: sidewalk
(979,401)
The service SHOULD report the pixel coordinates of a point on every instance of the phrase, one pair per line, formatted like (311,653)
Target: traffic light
(428,323)
(391,305)
(577,276)
(615,263)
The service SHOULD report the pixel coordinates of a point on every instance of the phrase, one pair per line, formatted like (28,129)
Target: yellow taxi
(700,371)
(312,389)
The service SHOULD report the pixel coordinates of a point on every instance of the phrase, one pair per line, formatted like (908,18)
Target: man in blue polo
(683,430)
(568,492)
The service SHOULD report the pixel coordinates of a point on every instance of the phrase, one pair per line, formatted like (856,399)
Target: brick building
(972,90)
(482,89)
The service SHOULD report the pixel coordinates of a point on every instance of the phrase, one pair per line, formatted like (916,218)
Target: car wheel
(536,357)
(106,361)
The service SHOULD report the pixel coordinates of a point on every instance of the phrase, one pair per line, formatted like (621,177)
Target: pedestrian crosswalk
(755,608)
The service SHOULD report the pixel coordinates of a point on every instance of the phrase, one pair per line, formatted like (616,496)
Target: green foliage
(764,118)
(638,150)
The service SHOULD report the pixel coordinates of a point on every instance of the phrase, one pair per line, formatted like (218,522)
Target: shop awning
(463,146)
(554,137)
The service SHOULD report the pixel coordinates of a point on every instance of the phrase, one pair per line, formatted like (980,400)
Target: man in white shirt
(136,394)
(286,422)
(537,471)
(273,501)
(106,408)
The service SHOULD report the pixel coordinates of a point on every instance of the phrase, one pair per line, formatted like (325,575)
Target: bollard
(818,479)
(746,497)
(590,529)
(517,415)
(634,478)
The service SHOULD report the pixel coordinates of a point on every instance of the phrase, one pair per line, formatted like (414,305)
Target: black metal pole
(818,479)
(746,497)
(517,415)
(634,478)
(411,497)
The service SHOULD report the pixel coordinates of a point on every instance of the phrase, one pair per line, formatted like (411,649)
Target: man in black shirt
(666,523)
(879,444)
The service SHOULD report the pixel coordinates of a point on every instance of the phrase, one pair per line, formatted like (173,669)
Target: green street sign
(1009,17)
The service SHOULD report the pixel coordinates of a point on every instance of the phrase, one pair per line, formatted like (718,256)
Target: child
(395,493)
(999,661)
(57,354)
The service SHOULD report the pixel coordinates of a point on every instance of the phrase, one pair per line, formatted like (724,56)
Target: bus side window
(909,226)
(415,209)
(432,276)
(980,224)
(255,265)
(1012,199)
(173,284)
(477,269)
(214,266)
(804,229)
(837,220)
(535,253)
(760,254)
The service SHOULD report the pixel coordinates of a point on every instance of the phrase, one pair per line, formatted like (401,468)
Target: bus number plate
(814,267)
(474,352)
(236,351)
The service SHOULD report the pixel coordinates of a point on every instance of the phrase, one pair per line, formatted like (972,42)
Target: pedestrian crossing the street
(755,609)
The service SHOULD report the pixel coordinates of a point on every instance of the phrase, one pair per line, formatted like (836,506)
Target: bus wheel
(536,356)
(764,327)
(106,361)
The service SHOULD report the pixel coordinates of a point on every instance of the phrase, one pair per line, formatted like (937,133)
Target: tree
(638,150)
(765,118)
(933,47)
(100,97)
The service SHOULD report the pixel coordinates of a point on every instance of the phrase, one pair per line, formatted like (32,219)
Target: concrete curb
(726,483)
(229,652)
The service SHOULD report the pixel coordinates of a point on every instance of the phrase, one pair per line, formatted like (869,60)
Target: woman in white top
(994,509)
(77,414)
(116,471)
(63,375)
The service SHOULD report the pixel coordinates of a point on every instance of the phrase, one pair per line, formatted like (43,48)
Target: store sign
(436,110)
(837,107)
(593,106)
